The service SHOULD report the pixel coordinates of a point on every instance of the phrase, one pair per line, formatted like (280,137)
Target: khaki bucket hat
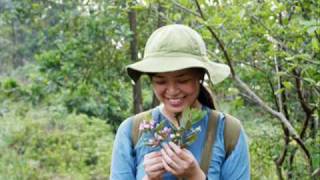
(176,47)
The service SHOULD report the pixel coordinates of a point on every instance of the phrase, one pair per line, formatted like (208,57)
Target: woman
(175,59)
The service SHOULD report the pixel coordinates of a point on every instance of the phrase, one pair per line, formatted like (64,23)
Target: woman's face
(177,90)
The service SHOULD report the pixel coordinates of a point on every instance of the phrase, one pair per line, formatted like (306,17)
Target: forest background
(64,89)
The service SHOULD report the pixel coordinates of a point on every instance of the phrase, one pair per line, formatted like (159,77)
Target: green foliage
(191,116)
(48,143)
(80,51)
(9,88)
(266,142)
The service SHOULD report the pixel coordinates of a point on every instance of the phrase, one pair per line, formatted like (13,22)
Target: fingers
(171,155)
(153,165)
(169,161)
(179,162)
(153,154)
(167,167)
(171,158)
(152,158)
(155,174)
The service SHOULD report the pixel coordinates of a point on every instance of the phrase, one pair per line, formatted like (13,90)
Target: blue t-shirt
(127,161)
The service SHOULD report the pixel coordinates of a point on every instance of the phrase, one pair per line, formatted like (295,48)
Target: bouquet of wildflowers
(183,136)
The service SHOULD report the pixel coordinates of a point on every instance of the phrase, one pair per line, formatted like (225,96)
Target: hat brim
(216,71)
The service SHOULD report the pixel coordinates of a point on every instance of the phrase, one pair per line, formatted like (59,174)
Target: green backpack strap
(136,120)
(210,137)
(232,129)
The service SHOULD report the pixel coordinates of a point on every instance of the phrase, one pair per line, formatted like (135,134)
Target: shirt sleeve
(237,165)
(123,161)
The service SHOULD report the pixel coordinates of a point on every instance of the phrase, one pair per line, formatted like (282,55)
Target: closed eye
(159,82)
(183,81)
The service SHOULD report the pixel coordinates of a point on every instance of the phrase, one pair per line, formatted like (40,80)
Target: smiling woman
(175,58)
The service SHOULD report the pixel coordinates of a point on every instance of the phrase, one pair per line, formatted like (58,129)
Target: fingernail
(162,151)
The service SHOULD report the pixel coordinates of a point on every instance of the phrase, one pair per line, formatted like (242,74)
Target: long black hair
(206,97)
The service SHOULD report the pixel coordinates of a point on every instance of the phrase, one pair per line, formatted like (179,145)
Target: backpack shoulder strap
(210,137)
(136,120)
(232,127)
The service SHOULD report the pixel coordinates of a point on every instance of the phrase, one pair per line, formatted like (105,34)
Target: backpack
(232,128)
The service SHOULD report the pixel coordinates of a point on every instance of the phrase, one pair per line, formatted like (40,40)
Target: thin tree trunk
(137,95)
(16,57)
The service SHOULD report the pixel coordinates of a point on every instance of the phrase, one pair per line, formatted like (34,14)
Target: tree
(137,94)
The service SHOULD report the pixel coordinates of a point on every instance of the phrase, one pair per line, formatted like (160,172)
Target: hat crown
(175,39)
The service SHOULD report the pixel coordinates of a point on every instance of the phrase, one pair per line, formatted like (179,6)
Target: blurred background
(64,90)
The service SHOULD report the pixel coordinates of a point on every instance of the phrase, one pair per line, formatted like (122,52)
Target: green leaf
(191,116)
(279,91)
(191,138)
(315,44)
(160,126)
(242,13)
(148,117)
(310,80)
(188,125)
(312,29)
(185,117)
(288,85)
(197,115)
(138,7)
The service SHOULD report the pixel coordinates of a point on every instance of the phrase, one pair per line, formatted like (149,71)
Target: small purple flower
(153,123)
(166,130)
(141,127)
(158,137)
(146,126)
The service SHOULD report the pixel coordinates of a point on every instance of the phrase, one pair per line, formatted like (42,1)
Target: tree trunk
(16,57)
(137,95)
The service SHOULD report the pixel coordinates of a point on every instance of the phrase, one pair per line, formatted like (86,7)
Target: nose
(172,89)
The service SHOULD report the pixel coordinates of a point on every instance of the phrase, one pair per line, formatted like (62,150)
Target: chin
(176,109)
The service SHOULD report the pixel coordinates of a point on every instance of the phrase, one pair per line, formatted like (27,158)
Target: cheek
(192,88)
(158,90)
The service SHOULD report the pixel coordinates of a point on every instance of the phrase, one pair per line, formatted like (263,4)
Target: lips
(175,101)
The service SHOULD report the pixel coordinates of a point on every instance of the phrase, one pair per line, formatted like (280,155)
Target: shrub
(51,144)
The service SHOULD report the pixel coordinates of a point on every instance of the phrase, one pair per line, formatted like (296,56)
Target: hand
(181,162)
(153,166)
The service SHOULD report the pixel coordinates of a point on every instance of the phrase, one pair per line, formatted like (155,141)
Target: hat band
(174,54)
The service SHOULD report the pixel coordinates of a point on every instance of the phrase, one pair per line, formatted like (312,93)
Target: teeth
(175,101)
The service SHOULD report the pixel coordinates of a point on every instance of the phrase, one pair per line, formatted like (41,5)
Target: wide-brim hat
(176,47)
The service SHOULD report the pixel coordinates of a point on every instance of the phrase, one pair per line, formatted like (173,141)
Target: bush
(51,144)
